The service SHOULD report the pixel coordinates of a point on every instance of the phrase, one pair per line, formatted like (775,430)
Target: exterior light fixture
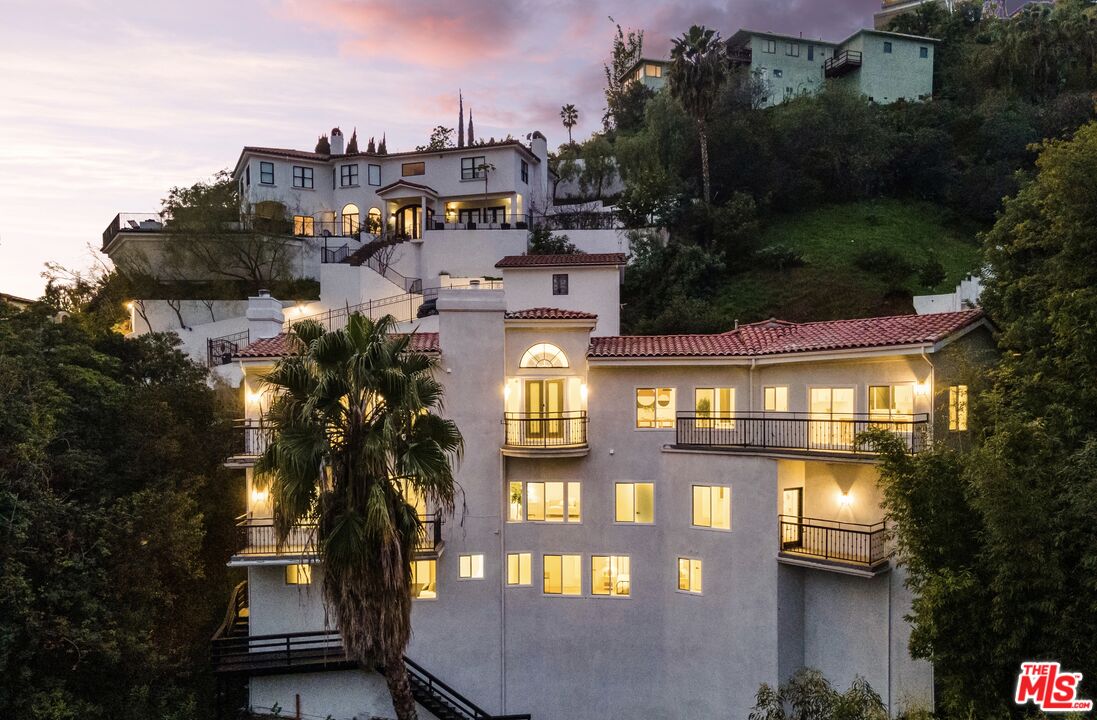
(921,388)
(259,497)
(583,392)
(845,499)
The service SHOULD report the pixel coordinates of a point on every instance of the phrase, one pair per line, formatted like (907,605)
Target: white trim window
(714,406)
(689,575)
(634,503)
(610,575)
(775,398)
(470,566)
(655,408)
(957,408)
(519,569)
(424,581)
(563,574)
(712,507)
(554,501)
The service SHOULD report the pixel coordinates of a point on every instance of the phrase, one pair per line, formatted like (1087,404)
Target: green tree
(355,431)
(627,50)
(810,696)
(569,116)
(441,137)
(698,69)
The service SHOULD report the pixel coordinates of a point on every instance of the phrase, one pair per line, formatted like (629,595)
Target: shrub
(932,272)
(887,264)
(778,257)
(542,241)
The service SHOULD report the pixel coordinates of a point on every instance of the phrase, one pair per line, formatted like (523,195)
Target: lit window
(923,52)
(298,574)
(715,407)
(653,71)
(471,168)
(351,223)
(885,401)
(373,221)
(266,173)
(635,503)
(887,47)
(514,502)
(712,506)
(544,355)
(470,567)
(655,407)
(302,177)
(609,575)
(413,168)
(519,569)
(373,174)
(560,284)
(552,502)
(563,574)
(423,580)
(348,175)
(689,575)
(776,398)
(303,225)
(957,407)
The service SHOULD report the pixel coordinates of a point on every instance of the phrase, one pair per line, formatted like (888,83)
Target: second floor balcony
(258,542)
(535,434)
(851,548)
(250,439)
(796,433)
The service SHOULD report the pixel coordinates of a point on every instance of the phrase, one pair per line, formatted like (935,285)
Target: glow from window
(544,355)
(423,582)
(712,506)
(298,574)
(471,567)
(609,575)
(655,407)
(563,575)
(519,569)
(776,399)
(635,503)
(689,575)
(957,408)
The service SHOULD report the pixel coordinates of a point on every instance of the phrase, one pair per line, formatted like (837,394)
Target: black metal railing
(809,432)
(258,537)
(842,62)
(740,55)
(334,255)
(428,690)
(286,651)
(379,266)
(219,350)
(149,222)
(578,220)
(546,429)
(251,437)
(478,219)
(853,543)
(238,602)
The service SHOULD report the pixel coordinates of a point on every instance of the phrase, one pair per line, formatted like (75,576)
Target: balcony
(795,433)
(740,55)
(842,63)
(545,434)
(850,548)
(257,541)
(150,222)
(251,437)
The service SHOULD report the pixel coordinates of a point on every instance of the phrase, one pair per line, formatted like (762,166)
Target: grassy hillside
(830,285)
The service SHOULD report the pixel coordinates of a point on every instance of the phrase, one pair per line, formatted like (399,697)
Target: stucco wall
(595,289)
(343,694)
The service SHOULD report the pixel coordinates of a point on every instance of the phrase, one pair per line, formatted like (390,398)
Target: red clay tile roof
(778,337)
(282,345)
(323,157)
(524,261)
(546,313)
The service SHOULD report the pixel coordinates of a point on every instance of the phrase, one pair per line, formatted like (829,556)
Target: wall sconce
(253,397)
(506,392)
(259,497)
(921,388)
(583,392)
(844,499)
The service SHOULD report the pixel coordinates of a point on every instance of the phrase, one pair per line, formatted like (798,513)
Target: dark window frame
(472,171)
(407,169)
(525,171)
(266,169)
(305,179)
(559,283)
(887,47)
(369,175)
(792,49)
(348,175)
(770,47)
(923,52)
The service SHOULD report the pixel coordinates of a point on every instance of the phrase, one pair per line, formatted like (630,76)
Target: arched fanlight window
(351,224)
(374,221)
(544,355)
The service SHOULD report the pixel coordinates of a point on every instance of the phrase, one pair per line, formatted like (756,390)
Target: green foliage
(116,517)
(441,137)
(932,272)
(627,49)
(323,145)
(543,241)
(887,263)
(778,257)
(809,696)
(698,71)
(570,117)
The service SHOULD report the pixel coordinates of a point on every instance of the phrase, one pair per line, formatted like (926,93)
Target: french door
(545,407)
(792,512)
(831,425)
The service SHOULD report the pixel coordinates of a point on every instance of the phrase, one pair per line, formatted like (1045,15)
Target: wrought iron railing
(809,432)
(334,255)
(853,543)
(258,537)
(133,222)
(546,429)
(219,350)
(478,219)
(252,436)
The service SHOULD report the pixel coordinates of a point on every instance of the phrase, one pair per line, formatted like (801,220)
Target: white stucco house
(651,527)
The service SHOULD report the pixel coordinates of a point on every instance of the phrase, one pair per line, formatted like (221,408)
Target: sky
(104,106)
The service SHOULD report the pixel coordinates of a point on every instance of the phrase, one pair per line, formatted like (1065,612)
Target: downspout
(932,390)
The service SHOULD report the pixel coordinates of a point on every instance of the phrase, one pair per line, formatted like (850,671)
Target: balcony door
(831,425)
(792,517)
(545,399)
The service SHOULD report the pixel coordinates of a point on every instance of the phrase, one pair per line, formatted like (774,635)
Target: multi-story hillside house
(379,230)
(651,526)
(891,9)
(883,66)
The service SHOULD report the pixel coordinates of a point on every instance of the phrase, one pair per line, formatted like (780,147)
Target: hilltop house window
(303,225)
(298,574)
(373,174)
(689,575)
(769,46)
(609,575)
(351,224)
(635,503)
(793,50)
(302,177)
(923,52)
(777,72)
(515,502)
(519,569)
(712,506)
(775,398)
(653,71)
(470,567)
(654,407)
(887,47)
(563,574)
(348,175)
(525,171)
(266,173)
(811,53)
(714,407)
(885,401)
(560,284)
(413,168)
(423,581)
(544,355)
(957,408)
(247,175)
(471,168)
(373,221)
(553,502)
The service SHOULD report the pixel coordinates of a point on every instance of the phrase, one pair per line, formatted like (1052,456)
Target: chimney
(336,141)
(264,316)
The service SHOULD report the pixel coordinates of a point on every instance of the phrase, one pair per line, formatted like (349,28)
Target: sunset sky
(105,105)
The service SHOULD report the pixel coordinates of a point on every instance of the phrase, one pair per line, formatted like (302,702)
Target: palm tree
(570,116)
(698,69)
(354,433)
